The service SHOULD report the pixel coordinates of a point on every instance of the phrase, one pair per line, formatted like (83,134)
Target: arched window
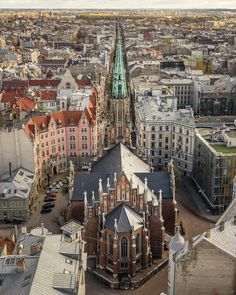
(124,248)
(180,130)
(68,85)
(110,245)
(137,241)
(153,128)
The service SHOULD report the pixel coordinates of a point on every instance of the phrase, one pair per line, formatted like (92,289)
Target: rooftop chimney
(16,233)
(208,233)
(221,226)
(20,264)
(20,249)
(23,230)
(43,230)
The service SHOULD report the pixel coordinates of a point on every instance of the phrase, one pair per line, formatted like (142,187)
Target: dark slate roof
(120,159)
(89,183)
(157,181)
(126,218)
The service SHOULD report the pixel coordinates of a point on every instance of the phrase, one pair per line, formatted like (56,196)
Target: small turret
(100,190)
(177,242)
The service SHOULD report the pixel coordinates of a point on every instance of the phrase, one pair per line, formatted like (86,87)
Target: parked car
(45,210)
(52,195)
(49,199)
(54,185)
(49,205)
(52,190)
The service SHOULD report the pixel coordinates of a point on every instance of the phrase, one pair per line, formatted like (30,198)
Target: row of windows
(61,131)
(167,128)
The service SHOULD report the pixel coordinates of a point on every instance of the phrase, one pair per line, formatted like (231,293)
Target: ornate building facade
(126,211)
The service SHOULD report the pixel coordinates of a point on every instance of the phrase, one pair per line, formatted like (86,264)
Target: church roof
(157,181)
(121,160)
(126,218)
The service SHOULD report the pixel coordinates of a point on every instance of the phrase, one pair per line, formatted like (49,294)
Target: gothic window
(134,197)
(110,245)
(124,248)
(137,241)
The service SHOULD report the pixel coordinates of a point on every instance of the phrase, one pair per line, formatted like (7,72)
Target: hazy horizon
(117,4)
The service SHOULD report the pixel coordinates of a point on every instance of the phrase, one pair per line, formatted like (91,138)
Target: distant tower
(120,100)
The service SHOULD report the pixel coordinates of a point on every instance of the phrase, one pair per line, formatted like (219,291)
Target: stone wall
(206,270)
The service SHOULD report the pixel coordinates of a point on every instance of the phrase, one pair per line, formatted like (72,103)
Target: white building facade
(17,149)
(163,132)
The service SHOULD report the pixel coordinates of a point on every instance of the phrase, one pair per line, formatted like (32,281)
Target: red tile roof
(25,104)
(12,85)
(64,118)
(45,82)
(83,82)
(10,97)
(46,94)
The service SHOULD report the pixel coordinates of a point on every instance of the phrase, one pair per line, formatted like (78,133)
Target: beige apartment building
(163,132)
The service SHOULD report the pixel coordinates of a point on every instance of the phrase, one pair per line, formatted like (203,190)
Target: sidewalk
(188,195)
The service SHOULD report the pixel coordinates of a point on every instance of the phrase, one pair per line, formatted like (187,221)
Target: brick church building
(126,211)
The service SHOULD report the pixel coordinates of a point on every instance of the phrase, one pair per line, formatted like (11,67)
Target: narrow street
(50,220)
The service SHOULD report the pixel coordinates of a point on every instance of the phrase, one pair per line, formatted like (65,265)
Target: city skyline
(117,4)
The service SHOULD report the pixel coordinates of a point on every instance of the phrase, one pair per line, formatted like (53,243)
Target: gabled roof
(224,240)
(25,104)
(120,159)
(46,95)
(10,96)
(126,218)
(64,118)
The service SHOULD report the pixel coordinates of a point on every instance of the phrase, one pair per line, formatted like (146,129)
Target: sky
(118,4)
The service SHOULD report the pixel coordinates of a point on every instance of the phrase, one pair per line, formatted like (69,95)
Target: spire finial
(93,196)
(115,225)
(85,197)
(100,185)
(145,182)
(108,183)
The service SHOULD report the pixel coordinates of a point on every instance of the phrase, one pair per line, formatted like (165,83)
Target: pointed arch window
(138,243)
(110,245)
(124,248)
